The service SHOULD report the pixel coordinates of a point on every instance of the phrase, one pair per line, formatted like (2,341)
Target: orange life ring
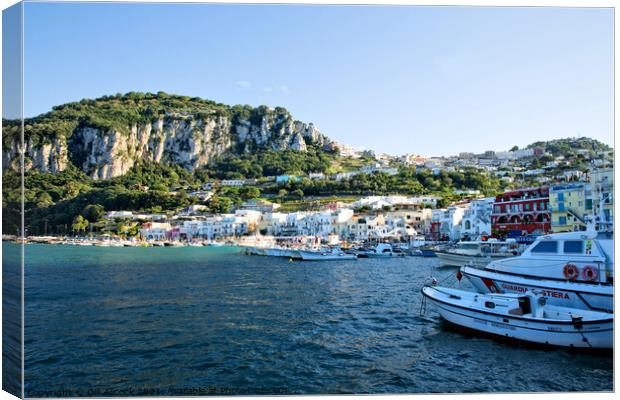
(571,272)
(590,273)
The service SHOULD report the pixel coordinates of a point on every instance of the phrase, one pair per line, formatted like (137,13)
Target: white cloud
(243,84)
(283,88)
(268,89)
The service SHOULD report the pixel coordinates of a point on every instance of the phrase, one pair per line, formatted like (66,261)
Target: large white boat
(523,317)
(325,255)
(477,253)
(574,269)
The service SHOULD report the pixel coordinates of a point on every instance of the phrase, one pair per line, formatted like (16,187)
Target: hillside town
(561,202)
(556,189)
(546,193)
(527,211)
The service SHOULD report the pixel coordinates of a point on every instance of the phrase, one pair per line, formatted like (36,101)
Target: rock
(185,139)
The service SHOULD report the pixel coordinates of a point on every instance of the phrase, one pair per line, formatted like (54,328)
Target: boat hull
(561,293)
(316,256)
(598,335)
(428,253)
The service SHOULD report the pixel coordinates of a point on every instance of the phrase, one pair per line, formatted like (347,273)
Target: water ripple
(111,319)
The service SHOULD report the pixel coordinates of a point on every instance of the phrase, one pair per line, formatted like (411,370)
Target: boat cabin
(575,256)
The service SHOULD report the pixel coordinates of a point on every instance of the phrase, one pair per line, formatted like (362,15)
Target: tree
(250,192)
(44,200)
(298,193)
(93,212)
(79,223)
(514,148)
(282,192)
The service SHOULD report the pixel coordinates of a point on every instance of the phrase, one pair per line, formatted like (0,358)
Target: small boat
(477,253)
(523,317)
(384,250)
(325,255)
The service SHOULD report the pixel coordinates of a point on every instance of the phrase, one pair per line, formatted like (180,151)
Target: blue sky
(429,80)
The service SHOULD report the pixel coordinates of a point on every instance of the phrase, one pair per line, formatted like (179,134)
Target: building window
(562,220)
(561,207)
(560,196)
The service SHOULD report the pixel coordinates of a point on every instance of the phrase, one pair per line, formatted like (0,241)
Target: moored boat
(523,317)
(477,253)
(575,268)
(382,250)
(325,255)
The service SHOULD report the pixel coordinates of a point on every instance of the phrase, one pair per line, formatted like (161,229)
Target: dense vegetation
(121,111)
(271,163)
(568,147)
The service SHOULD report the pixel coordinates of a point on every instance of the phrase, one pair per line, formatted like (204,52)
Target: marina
(329,327)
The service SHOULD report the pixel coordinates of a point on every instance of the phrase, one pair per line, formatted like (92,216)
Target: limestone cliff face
(186,139)
(49,156)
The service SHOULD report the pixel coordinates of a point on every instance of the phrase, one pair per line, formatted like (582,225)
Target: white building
(232,182)
(344,175)
(118,214)
(446,222)
(476,219)
(155,230)
(316,175)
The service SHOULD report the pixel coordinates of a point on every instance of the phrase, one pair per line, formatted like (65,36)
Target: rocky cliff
(106,137)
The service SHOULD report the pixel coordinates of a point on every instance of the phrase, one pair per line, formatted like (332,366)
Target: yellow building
(571,206)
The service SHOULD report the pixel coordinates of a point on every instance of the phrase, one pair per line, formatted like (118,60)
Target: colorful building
(602,183)
(522,211)
(571,205)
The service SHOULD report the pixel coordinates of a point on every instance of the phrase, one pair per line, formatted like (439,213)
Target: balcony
(523,212)
(515,199)
(520,226)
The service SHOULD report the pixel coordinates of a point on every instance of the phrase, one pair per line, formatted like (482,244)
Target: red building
(524,210)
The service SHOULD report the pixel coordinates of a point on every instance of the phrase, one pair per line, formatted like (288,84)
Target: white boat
(477,253)
(383,250)
(575,269)
(523,317)
(325,255)
(273,252)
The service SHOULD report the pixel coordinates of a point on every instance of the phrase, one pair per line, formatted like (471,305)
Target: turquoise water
(182,321)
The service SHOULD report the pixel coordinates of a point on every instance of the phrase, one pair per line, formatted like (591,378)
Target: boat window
(489,304)
(573,246)
(546,247)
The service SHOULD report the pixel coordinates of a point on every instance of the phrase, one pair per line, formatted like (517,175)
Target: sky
(399,79)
